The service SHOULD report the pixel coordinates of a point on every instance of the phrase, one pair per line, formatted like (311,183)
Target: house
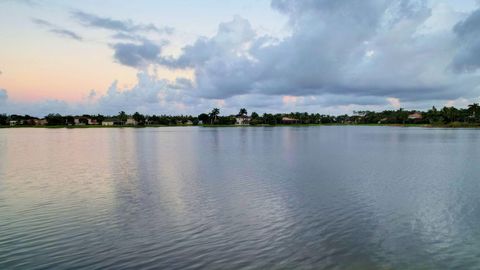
(112,122)
(415,116)
(91,121)
(13,123)
(30,121)
(40,122)
(131,121)
(288,120)
(242,120)
(79,121)
(383,120)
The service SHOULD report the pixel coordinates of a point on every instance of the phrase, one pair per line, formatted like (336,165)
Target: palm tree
(122,116)
(473,109)
(243,111)
(213,115)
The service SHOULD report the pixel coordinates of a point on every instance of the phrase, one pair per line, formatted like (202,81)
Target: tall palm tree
(122,116)
(473,109)
(243,111)
(214,114)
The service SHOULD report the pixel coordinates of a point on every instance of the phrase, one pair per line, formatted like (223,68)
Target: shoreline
(452,126)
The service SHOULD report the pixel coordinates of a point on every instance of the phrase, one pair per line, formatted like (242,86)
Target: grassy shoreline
(449,125)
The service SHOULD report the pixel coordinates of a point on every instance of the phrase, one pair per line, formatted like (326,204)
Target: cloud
(40,108)
(57,30)
(66,33)
(125,26)
(362,50)
(337,56)
(150,95)
(223,56)
(3,96)
(137,55)
(395,102)
(132,47)
(468,54)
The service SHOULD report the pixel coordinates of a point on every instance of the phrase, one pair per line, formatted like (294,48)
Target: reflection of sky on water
(344,197)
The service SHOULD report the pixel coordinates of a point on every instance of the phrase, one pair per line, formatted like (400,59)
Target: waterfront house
(131,121)
(30,121)
(415,116)
(288,120)
(242,120)
(91,121)
(40,122)
(112,122)
(383,120)
(79,121)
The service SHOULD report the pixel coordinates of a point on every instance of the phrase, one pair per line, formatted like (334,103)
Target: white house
(415,116)
(111,122)
(131,121)
(242,120)
(92,121)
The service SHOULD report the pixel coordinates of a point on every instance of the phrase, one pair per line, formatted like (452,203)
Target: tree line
(445,116)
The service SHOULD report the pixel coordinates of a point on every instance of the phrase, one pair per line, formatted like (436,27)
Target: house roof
(112,120)
(415,115)
(289,119)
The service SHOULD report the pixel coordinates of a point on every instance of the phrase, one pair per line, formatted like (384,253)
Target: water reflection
(256,198)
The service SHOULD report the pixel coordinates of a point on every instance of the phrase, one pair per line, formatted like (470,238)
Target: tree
(99,118)
(450,114)
(214,114)
(122,116)
(55,120)
(243,111)
(139,118)
(3,119)
(204,118)
(254,115)
(473,109)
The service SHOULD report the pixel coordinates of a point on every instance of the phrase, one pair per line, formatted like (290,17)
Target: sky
(188,56)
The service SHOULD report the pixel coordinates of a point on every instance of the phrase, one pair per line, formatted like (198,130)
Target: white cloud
(395,102)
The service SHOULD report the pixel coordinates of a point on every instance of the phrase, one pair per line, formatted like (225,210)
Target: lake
(325,197)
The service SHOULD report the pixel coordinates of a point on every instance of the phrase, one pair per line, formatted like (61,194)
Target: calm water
(240,198)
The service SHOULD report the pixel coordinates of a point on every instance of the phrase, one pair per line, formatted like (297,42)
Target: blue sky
(267,55)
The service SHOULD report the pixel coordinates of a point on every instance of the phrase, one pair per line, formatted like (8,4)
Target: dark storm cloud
(136,55)
(468,33)
(372,48)
(134,48)
(59,31)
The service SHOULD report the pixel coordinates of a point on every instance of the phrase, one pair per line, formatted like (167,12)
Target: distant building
(30,121)
(288,120)
(131,122)
(13,123)
(383,120)
(112,122)
(242,120)
(92,121)
(77,121)
(415,116)
(40,122)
